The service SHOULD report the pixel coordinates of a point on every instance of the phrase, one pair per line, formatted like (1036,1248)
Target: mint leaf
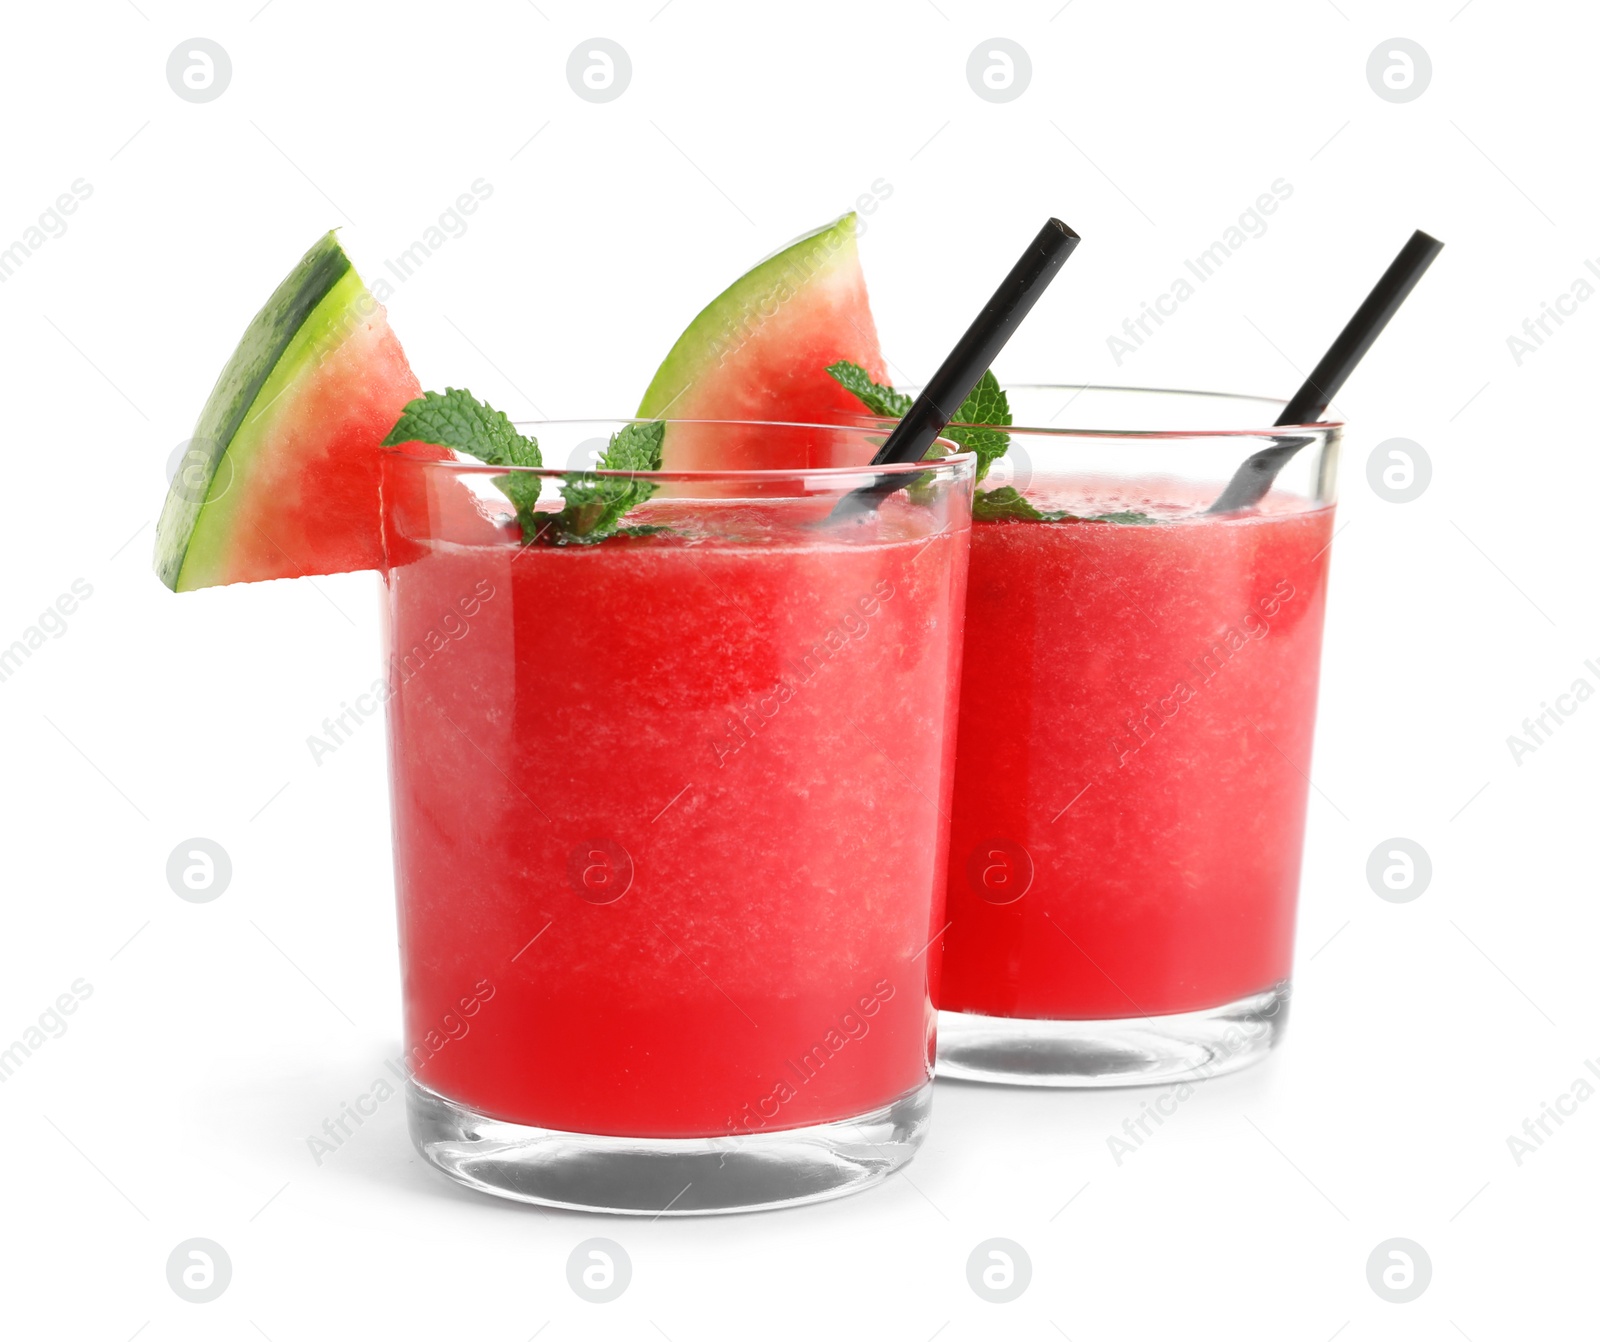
(595,505)
(985,405)
(881,400)
(458,420)
(993,505)
(1006,504)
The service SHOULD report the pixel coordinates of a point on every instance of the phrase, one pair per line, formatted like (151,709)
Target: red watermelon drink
(670,823)
(1134,745)
(1135,735)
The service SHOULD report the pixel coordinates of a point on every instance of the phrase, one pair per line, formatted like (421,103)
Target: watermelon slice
(759,351)
(281,478)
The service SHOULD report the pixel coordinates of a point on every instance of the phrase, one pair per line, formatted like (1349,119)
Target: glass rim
(1322,428)
(840,475)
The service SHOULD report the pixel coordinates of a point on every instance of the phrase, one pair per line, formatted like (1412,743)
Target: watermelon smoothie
(1133,759)
(670,829)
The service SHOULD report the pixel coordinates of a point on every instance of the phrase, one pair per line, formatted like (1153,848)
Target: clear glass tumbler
(1134,747)
(670,821)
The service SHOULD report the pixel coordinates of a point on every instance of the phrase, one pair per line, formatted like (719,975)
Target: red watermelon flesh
(759,351)
(282,479)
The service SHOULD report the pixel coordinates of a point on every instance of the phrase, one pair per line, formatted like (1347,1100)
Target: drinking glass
(1134,747)
(670,820)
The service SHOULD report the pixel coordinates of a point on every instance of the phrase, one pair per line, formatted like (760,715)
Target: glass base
(1134,1051)
(664,1176)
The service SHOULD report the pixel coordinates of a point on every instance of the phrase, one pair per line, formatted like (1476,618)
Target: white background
(219,1036)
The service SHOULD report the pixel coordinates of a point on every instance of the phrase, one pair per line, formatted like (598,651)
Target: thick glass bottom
(1135,1051)
(661,1176)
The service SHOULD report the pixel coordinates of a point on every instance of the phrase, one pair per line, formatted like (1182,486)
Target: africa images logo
(453,626)
(854,1024)
(455,1024)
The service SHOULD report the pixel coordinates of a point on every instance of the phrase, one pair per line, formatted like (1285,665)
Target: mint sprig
(985,405)
(594,507)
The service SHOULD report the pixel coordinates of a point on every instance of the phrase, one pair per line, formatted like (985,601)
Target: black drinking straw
(976,350)
(1254,478)
(966,363)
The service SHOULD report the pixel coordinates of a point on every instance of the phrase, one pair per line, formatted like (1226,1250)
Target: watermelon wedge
(281,477)
(759,352)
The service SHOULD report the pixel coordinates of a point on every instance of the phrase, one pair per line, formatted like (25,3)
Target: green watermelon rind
(726,322)
(309,314)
